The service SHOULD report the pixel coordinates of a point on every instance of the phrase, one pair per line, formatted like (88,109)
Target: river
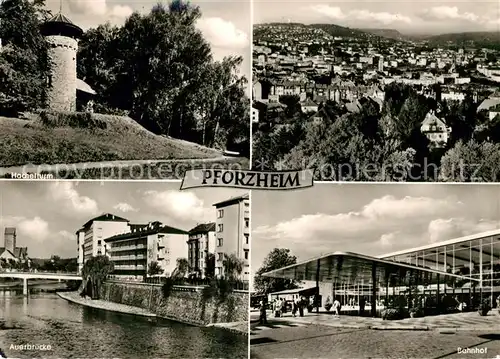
(61,329)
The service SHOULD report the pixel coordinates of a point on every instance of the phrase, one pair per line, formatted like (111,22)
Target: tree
(96,65)
(167,81)
(23,59)
(233,267)
(277,258)
(154,268)
(210,268)
(71,265)
(181,268)
(471,162)
(95,271)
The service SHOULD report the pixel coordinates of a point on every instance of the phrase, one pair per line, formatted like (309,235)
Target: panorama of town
(388,99)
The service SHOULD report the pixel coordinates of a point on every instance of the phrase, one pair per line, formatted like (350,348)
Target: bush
(417,312)
(393,314)
(167,287)
(484,307)
(218,288)
(73,284)
(71,119)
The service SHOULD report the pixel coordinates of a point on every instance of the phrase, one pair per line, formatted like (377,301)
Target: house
(494,112)
(255,115)
(233,234)
(132,253)
(436,130)
(320,116)
(309,106)
(201,244)
(353,106)
(492,101)
(90,237)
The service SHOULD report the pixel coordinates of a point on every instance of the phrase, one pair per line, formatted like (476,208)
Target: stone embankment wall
(184,303)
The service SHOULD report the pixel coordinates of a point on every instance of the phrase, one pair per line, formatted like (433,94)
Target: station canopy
(481,248)
(347,267)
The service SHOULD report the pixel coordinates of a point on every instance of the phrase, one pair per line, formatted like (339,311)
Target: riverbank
(77,331)
(236,327)
(74,297)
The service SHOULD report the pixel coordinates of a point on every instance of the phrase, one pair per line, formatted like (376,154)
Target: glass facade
(472,258)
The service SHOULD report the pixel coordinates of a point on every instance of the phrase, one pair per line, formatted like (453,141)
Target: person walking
(294,307)
(283,307)
(336,307)
(263,314)
(278,308)
(302,302)
(361,306)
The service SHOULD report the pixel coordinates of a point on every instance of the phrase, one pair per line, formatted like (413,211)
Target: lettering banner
(258,180)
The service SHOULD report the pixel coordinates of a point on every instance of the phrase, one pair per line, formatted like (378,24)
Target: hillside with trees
(380,144)
(157,68)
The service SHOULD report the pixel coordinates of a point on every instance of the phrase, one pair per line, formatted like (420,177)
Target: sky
(226,24)
(47,214)
(407,16)
(371,219)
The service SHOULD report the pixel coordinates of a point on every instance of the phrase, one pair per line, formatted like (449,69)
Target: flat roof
(105,217)
(348,267)
(146,231)
(293,291)
(449,242)
(231,200)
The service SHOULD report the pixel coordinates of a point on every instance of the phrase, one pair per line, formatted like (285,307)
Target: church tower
(62,37)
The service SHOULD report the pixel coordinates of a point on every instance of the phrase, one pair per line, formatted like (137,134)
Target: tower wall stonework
(62,73)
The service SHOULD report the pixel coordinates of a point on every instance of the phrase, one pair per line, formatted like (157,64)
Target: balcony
(129,257)
(130,267)
(127,248)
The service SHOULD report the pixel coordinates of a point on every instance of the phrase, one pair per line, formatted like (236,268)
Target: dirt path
(123,169)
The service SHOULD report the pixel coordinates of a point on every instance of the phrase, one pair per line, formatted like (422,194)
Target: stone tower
(62,37)
(10,239)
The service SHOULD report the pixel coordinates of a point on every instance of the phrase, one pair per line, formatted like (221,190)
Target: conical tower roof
(61,25)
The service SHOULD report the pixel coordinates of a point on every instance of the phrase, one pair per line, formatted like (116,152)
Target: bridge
(39,275)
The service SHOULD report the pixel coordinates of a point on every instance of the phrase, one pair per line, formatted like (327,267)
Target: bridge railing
(34,271)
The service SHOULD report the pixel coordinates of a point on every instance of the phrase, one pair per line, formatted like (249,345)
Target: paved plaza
(324,336)
(470,321)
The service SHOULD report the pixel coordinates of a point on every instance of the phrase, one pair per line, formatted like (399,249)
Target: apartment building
(90,238)
(134,251)
(201,242)
(232,233)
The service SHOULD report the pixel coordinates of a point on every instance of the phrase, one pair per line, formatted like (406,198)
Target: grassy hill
(337,30)
(71,138)
(332,30)
(386,33)
(489,39)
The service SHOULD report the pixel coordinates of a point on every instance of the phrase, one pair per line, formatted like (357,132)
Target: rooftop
(106,217)
(62,26)
(232,200)
(203,228)
(346,267)
(151,228)
(451,242)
